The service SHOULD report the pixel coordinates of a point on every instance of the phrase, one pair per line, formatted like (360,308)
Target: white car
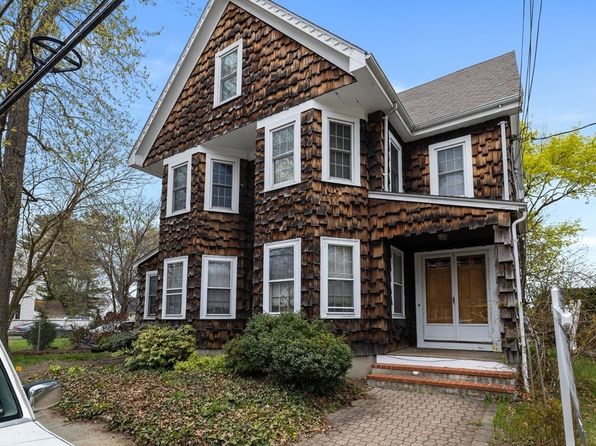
(18,404)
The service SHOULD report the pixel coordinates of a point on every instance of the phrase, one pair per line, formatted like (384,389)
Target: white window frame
(205,286)
(355,123)
(355,244)
(269,174)
(173,163)
(395,315)
(393,140)
(237,46)
(164,302)
(466,142)
(210,158)
(267,248)
(146,314)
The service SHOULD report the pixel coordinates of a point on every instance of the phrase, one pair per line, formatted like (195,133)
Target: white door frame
(494,319)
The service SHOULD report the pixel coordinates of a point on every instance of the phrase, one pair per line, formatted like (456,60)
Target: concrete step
(439,384)
(489,376)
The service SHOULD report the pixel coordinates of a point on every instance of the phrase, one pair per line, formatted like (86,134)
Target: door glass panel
(471,285)
(439,308)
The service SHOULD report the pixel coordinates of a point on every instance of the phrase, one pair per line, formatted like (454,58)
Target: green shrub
(79,335)
(42,334)
(161,347)
(292,350)
(200,363)
(118,341)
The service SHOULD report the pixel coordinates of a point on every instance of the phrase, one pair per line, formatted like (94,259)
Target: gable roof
(53,308)
(486,84)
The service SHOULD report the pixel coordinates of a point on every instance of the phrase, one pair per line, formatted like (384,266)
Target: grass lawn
(536,423)
(201,407)
(18,344)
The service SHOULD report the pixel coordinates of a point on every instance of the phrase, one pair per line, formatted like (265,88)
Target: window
(218,287)
(451,167)
(341,149)
(222,188)
(228,74)
(340,278)
(174,290)
(150,294)
(282,154)
(394,166)
(397,284)
(179,185)
(282,276)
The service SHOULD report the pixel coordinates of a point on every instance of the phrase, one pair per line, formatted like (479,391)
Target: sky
(418,41)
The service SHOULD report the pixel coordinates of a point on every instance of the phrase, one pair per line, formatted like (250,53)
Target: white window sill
(339,316)
(281,186)
(177,213)
(218,317)
(341,181)
(217,104)
(398,316)
(173,318)
(149,318)
(223,210)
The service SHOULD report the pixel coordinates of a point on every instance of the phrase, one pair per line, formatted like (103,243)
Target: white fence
(565,323)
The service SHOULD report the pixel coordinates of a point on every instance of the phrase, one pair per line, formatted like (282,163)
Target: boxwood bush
(291,350)
(161,347)
(122,340)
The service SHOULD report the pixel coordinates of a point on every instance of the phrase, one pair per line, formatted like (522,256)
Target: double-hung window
(340,278)
(150,295)
(341,149)
(174,290)
(282,154)
(228,74)
(397,284)
(282,276)
(451,167)
(222,186)
(218,287)
(178,196)
(394,166)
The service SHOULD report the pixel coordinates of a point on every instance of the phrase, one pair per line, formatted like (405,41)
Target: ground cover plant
(197,403)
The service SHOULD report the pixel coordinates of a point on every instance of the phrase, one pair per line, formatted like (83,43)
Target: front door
(454,299)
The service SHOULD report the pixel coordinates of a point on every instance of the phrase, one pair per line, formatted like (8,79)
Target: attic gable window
(228,74)
(282,153)
(451,167)
(341,149)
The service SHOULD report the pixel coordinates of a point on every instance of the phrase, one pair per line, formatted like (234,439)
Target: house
(295,178)
(25,311)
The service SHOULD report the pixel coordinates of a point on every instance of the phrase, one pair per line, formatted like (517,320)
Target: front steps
(452,376)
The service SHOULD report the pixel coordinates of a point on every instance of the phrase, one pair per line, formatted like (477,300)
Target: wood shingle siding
(277,73)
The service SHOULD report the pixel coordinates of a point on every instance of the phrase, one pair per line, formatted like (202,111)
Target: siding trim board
(448,201)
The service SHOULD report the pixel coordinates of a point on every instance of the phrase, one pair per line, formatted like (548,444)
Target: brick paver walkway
(390,417)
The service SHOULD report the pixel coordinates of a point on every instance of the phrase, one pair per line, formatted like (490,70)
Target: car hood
(29,433)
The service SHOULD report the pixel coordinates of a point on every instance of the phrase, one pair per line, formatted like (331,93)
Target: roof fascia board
(449,201)
(146,257)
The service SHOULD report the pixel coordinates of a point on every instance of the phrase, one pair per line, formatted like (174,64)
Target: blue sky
(419,41)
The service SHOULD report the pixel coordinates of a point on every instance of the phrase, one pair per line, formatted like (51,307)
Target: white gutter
(519,295)
(479,203)
(504,160)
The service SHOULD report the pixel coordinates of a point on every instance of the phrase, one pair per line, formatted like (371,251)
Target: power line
(534,61)
(565,132)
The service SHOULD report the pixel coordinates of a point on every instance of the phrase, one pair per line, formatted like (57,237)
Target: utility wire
(534,62)
(565,132)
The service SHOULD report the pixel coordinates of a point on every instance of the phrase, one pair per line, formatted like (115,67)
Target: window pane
(174,275)
(451,183)
(340,262)
(397,269)
(340,136)
(340,150)
(340,164)
(180,176)
(229,63)
(222,197)
(397,299)
(218,301)
(222,180)
(281,263)
(394,169)
(223,173)
(450,160)
(341,296)
(219,274)
(229,68)
(283,169)
(281,296)
(152,295)
(282,141)
(179,187)
(174,304)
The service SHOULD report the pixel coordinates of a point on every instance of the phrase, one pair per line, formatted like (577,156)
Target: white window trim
(466,141)
(297,245)
(393,140)
(217,88)
(173,163)
(395,315)
(355,244)
(164,304)
(355,122)
(146,315)
(205,282)
(269,174)
(209,183)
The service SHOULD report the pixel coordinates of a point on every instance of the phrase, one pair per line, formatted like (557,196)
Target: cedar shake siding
(277,73)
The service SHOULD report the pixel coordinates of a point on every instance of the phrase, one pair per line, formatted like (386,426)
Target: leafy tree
(72,129)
